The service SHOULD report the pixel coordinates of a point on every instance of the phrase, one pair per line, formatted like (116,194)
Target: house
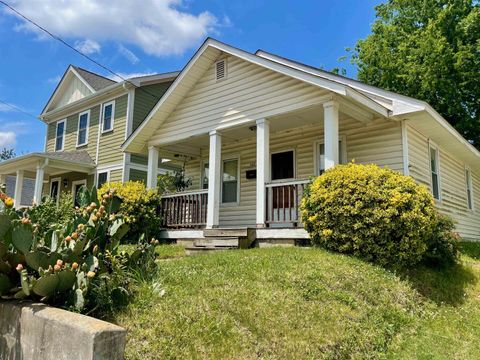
(251,129)
(88,117)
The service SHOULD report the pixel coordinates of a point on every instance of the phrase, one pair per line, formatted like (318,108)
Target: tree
(6,154)
(430,50)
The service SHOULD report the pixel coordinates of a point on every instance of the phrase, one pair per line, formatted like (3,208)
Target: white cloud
(5,108)
(54,80)
(129,55)
(122,76)
(87,47)
(8,139)
(159,27)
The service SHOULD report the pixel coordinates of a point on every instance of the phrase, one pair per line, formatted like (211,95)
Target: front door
(76,186)
(55,189)
(282,196)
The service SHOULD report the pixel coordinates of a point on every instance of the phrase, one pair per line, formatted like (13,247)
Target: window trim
(103,131)
(86,129)
(64,121)
(294,165)
(432,145)
(52,180)
(101,172)
(344,159)
(469,188)
(233,203)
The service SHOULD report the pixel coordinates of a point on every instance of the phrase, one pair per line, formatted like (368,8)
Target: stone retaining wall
(31,331)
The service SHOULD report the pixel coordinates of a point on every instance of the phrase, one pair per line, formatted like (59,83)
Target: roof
(96,81)
(80,156)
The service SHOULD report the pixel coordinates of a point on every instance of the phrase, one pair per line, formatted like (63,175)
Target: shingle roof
(80,156)
(97,82)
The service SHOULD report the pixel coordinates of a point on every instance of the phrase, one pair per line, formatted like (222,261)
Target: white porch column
(152,167)
(18,189)
(37,194)
(263,168)
(330,111)
(214,179)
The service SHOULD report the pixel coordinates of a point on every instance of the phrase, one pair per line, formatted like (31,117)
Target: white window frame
(202,168)
(59,179)
(64,122)
(469,188)
(226,204)
(101,172)
(432,145)
(294,164)
(86,129)
(104,105)
(77,182)
(316,144)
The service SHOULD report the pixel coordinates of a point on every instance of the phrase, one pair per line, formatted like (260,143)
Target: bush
(60,268)
(140,208)
(376,214)
(443,244)
(173,182)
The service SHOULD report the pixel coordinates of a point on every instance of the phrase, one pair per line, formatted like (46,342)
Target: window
(283,165)
(60,135)
(76,186)
(320,148)
(205,176)
(108,116)
(83,122)
(435,172)
(468,180)
(230,181)
(102,179)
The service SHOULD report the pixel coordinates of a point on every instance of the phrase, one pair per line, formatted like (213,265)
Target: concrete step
(225,232)
(216,242)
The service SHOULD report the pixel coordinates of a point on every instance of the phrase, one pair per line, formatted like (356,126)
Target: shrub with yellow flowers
(140,208)
(377,214)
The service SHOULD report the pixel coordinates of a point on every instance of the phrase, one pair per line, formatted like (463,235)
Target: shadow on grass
(442,285)
(470,248)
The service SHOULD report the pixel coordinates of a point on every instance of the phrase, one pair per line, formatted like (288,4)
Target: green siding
(139,159)
(138,175)
(116,175)
(144,101)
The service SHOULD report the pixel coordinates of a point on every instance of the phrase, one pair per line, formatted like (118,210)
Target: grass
(302,303)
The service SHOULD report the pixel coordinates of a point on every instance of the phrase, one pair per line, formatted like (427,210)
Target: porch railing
(185,210)
(283,203)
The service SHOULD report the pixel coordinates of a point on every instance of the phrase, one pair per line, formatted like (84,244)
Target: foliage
(6,154)
(139,208)
(49,215)
(62,265)
(376,214)
(428,50)
(443,244)
(173,182)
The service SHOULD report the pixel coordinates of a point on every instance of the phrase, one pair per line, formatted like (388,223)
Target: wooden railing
(185,210)
(283,203)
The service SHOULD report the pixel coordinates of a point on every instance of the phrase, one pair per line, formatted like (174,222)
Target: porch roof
(54,162)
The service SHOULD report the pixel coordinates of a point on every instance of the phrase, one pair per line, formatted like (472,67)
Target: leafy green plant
(140,208)
(62,265)
(376,214)
(173,182)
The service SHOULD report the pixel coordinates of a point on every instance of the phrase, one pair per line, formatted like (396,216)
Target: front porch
(259,170)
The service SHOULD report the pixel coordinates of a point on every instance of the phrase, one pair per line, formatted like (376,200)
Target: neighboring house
(88,118)
(251,129)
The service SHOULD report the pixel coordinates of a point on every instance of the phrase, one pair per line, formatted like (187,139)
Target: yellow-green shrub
(373,213)
(140,207)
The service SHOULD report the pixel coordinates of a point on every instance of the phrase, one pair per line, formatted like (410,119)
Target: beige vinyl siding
(72,133)
(379,143)
(116,175)
(248,93)
(138,175)
(145,101)
(452,184)
(110,152)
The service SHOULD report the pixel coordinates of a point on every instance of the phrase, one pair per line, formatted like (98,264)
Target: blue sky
(151,36)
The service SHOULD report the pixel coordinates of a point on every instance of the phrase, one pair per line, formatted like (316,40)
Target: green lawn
(302,303)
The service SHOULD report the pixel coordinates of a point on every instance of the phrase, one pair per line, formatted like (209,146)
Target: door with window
(282,197)
(76,186)
(55,189)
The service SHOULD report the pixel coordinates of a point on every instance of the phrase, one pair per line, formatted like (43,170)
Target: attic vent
(220,70)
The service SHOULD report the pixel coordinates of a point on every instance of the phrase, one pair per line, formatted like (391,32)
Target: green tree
(6,154)
(428,49)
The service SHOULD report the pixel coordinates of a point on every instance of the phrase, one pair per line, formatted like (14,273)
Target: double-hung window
(83,123)
(320,149)
(102,178)
(230,181)
(435,173)
(60,135)
(468,181)
(108,116)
